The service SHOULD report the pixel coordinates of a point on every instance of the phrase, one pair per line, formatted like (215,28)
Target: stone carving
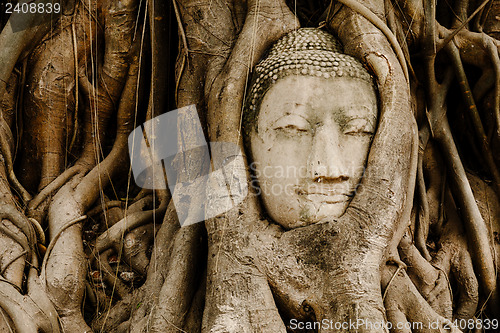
(311,116)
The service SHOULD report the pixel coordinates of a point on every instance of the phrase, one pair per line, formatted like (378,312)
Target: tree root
(5,149)
(13,271)
(19,308)
(19,238)
(454,54)
(376,21)
(13,260)
(454,259)
(423,221)
(495,59)
(143,300)
(177,291)
(113,237)
(120,20)
(32,312)
(429,281)
(66,276)
(56,237)
(37,293)
(406,307)
(119,313)
(38,213)
(65,265)
(49,105)
(18,44)
(450,36)
(474,223)
(6,324)
(20,221)
(110,276)
(135,245)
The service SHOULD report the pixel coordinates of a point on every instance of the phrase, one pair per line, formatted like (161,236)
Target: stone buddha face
(310,139)
(311,146)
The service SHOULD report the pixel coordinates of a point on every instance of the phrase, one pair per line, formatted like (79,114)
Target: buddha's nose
(327,159)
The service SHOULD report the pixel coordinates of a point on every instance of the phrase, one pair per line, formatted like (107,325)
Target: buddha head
(309,120)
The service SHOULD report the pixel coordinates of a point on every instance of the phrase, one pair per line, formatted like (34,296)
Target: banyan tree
(249,166)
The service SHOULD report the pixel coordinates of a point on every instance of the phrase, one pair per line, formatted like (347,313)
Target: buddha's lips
(324,190)
(326,195)
(329,199)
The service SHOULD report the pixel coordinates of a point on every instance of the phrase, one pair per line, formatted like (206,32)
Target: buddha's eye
(292,124)
(359,126)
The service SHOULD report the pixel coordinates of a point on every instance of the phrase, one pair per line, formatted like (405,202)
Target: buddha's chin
(313,213)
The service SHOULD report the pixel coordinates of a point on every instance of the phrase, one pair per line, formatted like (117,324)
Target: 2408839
(486,324)
(31,8)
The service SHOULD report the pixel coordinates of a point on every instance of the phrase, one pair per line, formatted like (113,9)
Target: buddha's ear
(386,192)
